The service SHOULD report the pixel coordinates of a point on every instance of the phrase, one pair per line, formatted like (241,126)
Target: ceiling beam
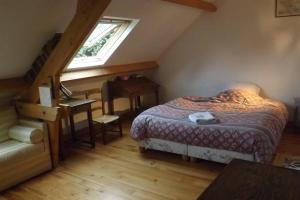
(200,4)
(108,71)
(13,85)
(87,15)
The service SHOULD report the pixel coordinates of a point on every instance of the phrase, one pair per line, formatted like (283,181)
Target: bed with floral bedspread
(247,123)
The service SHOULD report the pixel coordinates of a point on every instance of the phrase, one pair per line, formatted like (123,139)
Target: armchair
(24,148)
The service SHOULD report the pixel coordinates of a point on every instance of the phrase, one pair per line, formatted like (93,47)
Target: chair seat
(105,119)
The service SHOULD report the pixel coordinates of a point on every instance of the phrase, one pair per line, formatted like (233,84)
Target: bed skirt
(216,155)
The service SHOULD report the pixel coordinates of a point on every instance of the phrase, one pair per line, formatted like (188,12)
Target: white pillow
(26,134)
(248,87)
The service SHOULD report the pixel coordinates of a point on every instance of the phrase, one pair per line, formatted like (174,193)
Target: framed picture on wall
(286,8)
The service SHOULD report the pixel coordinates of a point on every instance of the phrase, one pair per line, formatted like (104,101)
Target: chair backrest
(95,94)
(8,118)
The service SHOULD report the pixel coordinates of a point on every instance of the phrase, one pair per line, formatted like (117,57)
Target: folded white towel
(202,118)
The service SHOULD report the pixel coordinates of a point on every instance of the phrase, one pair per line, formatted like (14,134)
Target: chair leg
(103,127)
(120,127)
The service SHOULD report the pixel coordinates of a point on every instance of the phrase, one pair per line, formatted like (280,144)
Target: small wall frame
(287,8)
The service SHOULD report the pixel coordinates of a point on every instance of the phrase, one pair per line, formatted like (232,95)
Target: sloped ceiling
(27,25)
(161,23)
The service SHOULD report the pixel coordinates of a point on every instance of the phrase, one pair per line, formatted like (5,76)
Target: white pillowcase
(248,87)
(26,134)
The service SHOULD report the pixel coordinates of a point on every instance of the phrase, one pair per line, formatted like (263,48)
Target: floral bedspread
(247,123)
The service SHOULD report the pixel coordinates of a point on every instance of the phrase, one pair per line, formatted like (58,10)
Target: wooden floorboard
(118,171)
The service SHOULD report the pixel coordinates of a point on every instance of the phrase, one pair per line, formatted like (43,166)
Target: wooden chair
(105,121)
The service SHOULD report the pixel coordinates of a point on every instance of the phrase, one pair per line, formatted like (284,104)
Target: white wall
(242,41)
(25,28)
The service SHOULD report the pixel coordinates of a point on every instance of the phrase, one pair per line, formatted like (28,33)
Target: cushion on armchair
(26,134)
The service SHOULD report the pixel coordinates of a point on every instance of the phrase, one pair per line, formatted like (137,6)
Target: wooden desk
(243,180)
(75,106)
(133,89)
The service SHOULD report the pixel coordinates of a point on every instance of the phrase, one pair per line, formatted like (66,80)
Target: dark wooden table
(243,180)
(75,106)
(133,89)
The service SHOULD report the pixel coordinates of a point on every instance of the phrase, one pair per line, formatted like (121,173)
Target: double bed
(249,127)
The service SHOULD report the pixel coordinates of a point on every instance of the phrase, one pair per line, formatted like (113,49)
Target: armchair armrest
(38,111)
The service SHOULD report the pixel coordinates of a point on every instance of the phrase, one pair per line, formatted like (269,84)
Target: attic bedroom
(149,99)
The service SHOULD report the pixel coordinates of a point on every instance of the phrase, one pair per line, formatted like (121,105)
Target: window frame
(108,49)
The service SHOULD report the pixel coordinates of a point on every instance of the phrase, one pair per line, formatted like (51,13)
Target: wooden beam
(108,71)
(87,15)
(13,84)
(200,4)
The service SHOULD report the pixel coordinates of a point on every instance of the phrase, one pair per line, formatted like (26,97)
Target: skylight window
(102,42)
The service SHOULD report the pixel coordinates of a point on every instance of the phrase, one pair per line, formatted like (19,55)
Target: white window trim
(107,50)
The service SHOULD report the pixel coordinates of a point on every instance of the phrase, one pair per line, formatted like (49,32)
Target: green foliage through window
(93,50)
(102,42)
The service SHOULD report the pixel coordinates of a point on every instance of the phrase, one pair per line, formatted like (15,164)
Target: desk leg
(138,99)
(157,97)
(66,123)
(72,126)
(91,127)
(131,104)
(61,141)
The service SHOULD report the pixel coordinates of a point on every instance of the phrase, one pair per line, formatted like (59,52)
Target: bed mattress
(252,126)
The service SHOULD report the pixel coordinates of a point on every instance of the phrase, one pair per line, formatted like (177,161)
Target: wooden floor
(119,171)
